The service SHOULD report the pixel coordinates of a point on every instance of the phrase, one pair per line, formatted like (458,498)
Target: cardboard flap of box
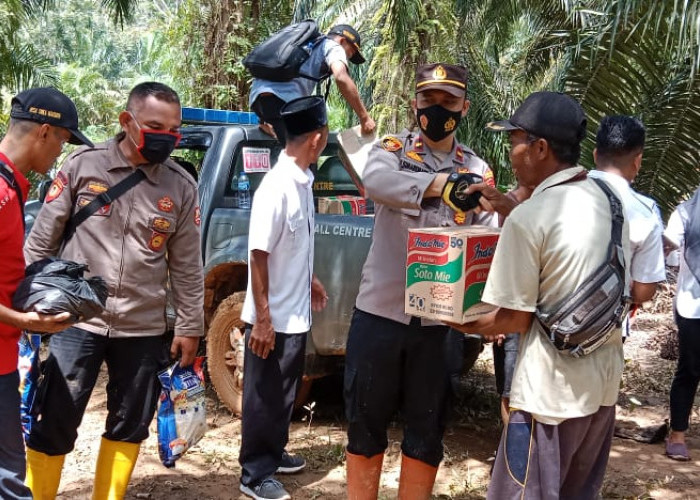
(354,150)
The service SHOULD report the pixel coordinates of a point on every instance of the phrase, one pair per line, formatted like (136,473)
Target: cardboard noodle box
(446,272)
(342,204)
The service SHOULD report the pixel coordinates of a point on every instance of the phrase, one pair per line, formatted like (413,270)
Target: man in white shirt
(684,231)
(282,291)
(562,417)
(618,158)
(329,57)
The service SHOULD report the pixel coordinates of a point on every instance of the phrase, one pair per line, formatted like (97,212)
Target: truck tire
(225,349)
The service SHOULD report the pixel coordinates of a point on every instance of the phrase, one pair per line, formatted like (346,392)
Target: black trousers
(390,366)
(70,374)
(685,381)
(268,107)
(269,390)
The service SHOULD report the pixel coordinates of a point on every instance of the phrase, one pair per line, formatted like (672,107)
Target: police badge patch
(60,182)
(391,144)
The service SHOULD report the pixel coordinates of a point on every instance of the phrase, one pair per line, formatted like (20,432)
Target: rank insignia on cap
(97,187)
(494,126)
(197,216)
(488,178)
(450,124)
(157,241)
(165,204)
(439,73)
(414,156)
(391,144)
(161,224)
(60,182)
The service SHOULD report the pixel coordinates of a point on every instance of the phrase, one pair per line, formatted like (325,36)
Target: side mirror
(44,189)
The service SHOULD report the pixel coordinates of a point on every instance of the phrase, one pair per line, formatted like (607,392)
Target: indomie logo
(431,243)
(485,253)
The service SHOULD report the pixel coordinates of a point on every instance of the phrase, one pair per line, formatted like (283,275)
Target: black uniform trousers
(70,373)
(269,390)
(390,366)
(687,376)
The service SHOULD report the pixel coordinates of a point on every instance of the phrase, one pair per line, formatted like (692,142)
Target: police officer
(149,233)
(328,57)
(42,121)
(395,361)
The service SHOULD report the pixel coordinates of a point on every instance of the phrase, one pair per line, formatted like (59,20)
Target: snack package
(29,368)
(182,419)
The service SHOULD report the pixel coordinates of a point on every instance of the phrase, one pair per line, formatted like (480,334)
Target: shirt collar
(19,176)
(119,161)
(298,175)
(558,178)
(614,179)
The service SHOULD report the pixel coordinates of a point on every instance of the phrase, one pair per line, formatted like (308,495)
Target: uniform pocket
(161,223)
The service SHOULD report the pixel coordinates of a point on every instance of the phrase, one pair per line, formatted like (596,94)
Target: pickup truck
(221,145)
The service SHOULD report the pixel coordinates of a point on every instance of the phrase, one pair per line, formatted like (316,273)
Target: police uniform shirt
(148,235)
(399,170)
(317,65)
(281,224)
(646,230)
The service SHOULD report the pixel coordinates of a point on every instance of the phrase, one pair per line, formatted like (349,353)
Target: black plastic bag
(53,286)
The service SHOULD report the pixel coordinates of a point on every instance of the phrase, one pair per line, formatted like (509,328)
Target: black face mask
(437,122)
(155,145)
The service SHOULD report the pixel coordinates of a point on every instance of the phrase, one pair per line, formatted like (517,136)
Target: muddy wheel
(225,348)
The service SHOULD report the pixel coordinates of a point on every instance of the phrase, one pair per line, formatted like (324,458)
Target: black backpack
(279,58)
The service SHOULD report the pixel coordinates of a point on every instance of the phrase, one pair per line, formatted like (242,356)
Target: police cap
(440,76)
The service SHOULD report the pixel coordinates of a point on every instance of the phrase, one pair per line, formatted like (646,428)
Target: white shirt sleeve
(675,230)
(267,219)
(648,259)
(332,52)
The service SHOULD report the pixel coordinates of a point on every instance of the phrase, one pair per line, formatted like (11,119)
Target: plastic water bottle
(243,191)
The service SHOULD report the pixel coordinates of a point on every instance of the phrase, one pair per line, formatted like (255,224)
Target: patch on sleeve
(391,144)
(197,216)
(488,177)
(57,186)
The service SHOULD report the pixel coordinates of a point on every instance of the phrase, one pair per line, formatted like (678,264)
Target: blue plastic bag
(29,374)
(182,419)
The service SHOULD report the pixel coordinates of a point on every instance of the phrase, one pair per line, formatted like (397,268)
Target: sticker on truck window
(256,160)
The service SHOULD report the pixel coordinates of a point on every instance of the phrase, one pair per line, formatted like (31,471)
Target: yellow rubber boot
(363,475)
(115,463)
(417,479)
(43,474)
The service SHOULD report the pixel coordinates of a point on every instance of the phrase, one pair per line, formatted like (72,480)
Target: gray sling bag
(588,317)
